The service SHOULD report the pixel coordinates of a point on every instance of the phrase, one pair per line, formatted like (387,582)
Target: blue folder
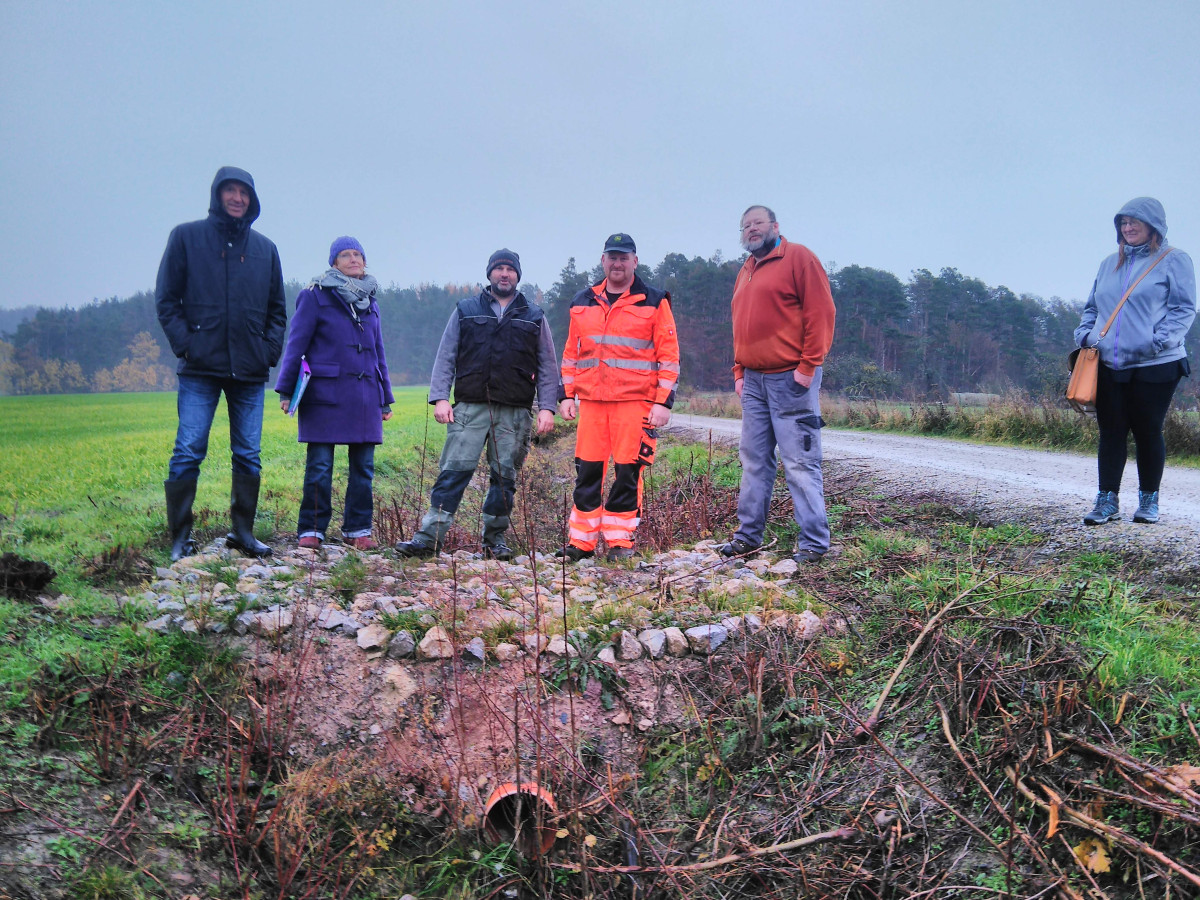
(301,384)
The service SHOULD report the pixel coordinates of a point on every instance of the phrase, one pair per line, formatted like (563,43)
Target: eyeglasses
(766,223)
(1127,221)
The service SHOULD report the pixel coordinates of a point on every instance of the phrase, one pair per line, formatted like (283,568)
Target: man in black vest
(498,353)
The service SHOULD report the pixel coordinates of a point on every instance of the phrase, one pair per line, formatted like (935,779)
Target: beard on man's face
(756,244)
(502,292)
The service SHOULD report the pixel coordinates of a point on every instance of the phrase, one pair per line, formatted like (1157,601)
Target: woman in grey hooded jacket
(1142,356)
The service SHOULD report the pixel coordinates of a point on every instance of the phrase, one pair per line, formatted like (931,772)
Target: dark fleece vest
(497,358)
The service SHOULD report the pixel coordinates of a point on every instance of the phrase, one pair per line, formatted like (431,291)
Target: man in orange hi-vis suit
(619,372)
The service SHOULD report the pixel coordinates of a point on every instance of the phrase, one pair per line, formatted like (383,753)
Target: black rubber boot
(180,496)
(243,505)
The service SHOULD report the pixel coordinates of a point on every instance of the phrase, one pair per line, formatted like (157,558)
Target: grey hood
(1148,210)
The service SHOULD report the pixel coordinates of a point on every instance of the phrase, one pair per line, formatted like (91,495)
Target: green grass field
(80,474)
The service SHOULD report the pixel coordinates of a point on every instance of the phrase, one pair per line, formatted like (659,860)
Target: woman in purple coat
(336,331)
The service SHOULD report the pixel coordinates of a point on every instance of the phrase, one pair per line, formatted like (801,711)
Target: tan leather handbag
(1085,362)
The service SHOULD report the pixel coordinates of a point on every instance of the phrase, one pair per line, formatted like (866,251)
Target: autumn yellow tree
(139,371)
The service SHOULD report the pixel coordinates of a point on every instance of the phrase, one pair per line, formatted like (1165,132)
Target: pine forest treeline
(927,338)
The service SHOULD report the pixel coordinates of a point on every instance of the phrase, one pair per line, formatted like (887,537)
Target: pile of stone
(522,606)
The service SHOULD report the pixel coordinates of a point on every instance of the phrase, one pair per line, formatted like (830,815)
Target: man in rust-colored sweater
(783,318)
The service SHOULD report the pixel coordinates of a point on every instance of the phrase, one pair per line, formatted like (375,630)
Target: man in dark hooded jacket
(220,302)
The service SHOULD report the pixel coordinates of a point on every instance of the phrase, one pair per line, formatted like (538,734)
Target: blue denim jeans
(316,505)
(779,414)
(197,404)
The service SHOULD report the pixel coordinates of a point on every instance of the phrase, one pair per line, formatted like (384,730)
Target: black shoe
(415,548)
(243,506)
(573,553)
(738,547)
(807,557)
(498,549)
(619,553)
(180,496)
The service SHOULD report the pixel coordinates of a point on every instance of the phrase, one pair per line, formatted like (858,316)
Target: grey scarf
(356,293)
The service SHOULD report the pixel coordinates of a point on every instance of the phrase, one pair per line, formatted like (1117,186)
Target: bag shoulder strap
(1112,318)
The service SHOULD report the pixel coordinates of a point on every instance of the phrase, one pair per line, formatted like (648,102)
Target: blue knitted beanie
(345,242)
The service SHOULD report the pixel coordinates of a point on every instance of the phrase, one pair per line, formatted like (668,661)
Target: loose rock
(655,642)
(677,642)
(373,637)
(705,639)
(436,644)
(505,652)
(271,622)
(808,625)
(475,649)
(784,567)
(560,646)
(629,647)
(402,645)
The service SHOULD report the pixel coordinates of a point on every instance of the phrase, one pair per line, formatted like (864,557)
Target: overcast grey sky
(998,138)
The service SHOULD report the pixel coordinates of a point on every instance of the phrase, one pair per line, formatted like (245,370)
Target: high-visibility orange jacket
(624,351)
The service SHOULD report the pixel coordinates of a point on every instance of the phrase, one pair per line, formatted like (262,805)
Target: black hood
(233,173)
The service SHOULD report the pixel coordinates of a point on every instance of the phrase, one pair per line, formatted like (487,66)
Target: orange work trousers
(620,430)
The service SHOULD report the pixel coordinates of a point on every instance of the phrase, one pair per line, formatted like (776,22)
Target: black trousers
(1139,407)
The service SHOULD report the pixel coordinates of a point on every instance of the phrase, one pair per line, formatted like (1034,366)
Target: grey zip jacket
(1150,328)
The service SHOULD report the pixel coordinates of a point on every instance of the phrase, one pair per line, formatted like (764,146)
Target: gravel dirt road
(1048,490)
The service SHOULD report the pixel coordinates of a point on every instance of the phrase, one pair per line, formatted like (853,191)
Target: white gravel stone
(534,643)
(162,624)
(241,624)
(705,639)
(655,642)
(475,649)
(331,618)
(629,647)
(677,642)
(402,645)
(271,622)
(373,637)
(559,646)
(506,652)
(436,644)
(808,624)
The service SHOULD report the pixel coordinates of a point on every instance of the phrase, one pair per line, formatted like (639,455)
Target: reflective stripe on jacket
(624,351)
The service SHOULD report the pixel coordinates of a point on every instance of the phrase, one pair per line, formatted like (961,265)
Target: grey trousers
(780,415)
(504,431)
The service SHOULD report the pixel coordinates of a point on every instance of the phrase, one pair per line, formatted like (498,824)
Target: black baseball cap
(620,243)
